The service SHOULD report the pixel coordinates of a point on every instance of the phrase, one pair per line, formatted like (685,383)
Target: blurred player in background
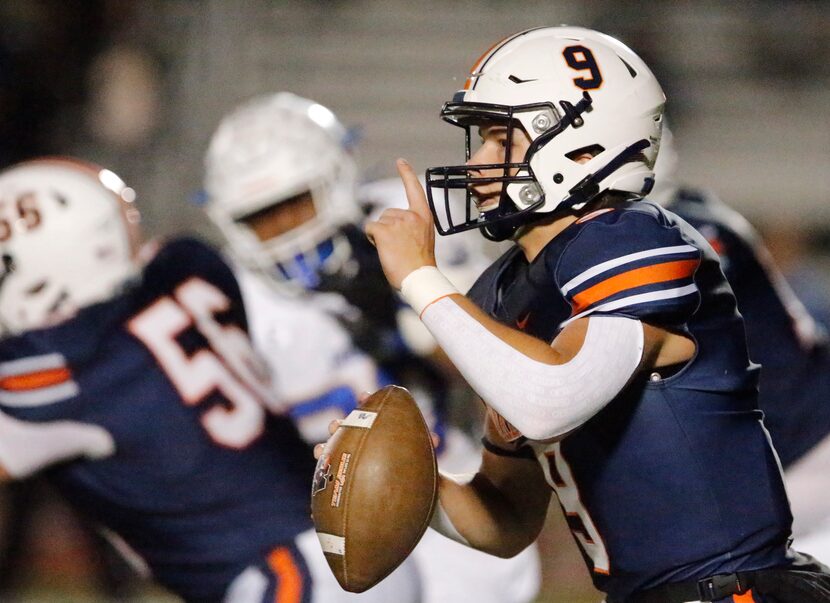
(782,336)
(128,377)
(606,341)
(282,186)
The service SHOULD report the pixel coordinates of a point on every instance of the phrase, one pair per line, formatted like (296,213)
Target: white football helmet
(269,151)
(68,238)
(571,89)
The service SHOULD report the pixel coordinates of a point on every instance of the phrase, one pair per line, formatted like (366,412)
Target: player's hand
(334,425)
(405,238)
(318,449)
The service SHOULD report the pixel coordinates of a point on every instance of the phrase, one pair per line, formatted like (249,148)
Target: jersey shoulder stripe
(36,381)
(633,279)
(639,299)
(633,261)
(613,264)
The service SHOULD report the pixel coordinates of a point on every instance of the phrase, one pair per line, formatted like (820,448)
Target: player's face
(493,150)
(280,218)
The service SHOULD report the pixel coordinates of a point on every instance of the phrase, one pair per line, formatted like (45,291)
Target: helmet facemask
(291,241)
(521,193)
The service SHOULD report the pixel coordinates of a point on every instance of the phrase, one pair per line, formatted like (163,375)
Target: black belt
(708,589)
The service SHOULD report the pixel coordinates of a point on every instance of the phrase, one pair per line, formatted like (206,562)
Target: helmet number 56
(582,59)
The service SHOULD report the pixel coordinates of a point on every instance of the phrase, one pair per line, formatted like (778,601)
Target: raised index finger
(414,191)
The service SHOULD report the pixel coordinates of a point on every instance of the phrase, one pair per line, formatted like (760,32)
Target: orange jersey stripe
(744,598)
(290,580)
(647,275)
(36,380)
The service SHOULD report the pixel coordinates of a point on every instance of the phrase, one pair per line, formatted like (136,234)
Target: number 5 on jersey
(227,365)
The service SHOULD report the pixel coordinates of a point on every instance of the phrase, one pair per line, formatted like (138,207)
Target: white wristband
(440,521)
(424,286)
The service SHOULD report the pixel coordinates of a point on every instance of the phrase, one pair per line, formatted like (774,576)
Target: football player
(127,374)
(282,185)
(791,347)
(606,342)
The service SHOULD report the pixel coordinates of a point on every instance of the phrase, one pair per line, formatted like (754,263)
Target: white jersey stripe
(40,396)
(32,364)
(626,259)
(632,300)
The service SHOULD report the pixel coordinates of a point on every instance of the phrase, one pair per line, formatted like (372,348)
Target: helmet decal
(591,110)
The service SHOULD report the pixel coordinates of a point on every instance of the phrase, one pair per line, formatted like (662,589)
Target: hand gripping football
(374,489)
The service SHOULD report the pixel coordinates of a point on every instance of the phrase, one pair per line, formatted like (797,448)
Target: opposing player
(791,347)
(606,342)
(132,380)
(282,186)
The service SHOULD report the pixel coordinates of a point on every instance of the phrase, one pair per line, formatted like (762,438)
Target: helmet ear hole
(593,150)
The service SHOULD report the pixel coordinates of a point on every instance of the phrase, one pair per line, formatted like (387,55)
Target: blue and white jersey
(318,373)
(675,478)
(205,479)
(783,338)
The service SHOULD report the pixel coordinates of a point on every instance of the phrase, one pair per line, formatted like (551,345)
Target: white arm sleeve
(26,448)
(541,400)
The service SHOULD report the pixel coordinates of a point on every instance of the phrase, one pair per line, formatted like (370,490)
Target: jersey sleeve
(632,264)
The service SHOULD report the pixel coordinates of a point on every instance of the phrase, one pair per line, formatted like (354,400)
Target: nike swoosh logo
(522,322)
(518,80)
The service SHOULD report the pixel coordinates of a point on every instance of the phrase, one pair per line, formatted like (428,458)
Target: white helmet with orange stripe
(68,239)
(573,91)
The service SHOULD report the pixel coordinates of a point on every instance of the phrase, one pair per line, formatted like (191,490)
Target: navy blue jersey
(204,481)
(782,336)
(675,478)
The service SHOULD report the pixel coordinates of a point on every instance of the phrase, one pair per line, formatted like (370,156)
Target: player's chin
(486,203)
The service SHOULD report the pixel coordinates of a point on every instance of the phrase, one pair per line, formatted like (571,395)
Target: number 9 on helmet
(572,91)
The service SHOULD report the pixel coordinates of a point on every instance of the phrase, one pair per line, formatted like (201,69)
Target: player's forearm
(26,448)
(544,390)
(494,511)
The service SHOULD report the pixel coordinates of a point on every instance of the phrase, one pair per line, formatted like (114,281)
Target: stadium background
(139,87)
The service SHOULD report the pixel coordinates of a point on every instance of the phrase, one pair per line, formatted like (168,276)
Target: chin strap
(588,187)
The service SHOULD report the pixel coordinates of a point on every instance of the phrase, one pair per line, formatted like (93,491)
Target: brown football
(374,489)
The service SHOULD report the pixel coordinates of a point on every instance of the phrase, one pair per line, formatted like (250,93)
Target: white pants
(454,573)
(808,485)
(401,586)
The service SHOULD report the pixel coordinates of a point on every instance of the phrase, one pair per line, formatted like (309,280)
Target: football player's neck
(537,236)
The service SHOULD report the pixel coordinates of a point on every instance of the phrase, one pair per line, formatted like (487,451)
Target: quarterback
(606,342)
